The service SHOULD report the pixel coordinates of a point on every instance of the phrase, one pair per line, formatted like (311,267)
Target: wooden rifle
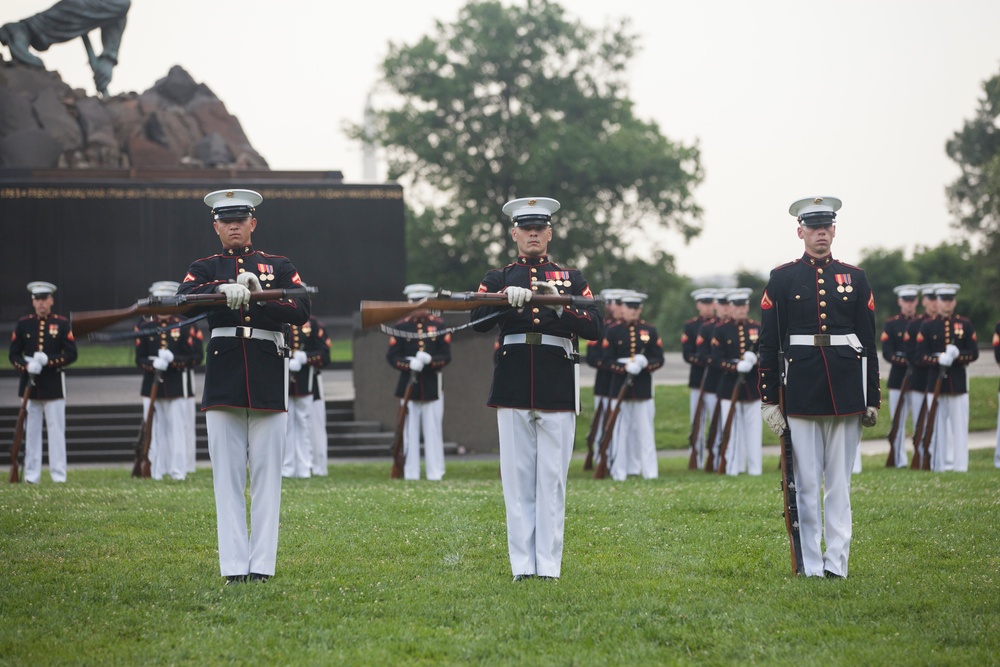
(601,471)
(696,424)
(374,313)
(918,432)
(713,430)
(789,492)
(142,467)
(588,463)
(398,455)
(728,428)
(890,460)
(925,460)
(89,321)
(15,447)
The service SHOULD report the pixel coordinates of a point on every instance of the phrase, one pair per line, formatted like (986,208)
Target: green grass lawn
(686,569)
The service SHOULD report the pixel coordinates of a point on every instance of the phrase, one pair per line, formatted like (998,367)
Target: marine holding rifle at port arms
(535,386)
(245,397)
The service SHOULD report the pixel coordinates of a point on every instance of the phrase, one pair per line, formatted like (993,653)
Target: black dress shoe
(830,575)
(523,577)
(544,578)
(259,577)
(235,579)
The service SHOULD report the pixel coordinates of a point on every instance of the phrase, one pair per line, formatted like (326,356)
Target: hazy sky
(786,99)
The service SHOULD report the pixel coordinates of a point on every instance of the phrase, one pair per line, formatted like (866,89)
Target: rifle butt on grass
(789,493)
(142,468)
(595,424)
(713,430)
(928,436)
(398,455)
(601,470)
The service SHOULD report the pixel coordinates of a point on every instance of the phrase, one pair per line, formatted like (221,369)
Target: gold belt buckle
(821,340)
(533,338)
(244,332)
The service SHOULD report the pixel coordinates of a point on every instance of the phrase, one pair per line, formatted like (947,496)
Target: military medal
(844,282)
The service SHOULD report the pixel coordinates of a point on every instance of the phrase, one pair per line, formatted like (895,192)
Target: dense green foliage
(521,100)
(686,569)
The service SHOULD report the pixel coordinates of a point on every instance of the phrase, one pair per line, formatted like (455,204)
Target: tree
(517,101)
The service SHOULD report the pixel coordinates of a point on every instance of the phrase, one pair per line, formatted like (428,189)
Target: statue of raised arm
(66,20)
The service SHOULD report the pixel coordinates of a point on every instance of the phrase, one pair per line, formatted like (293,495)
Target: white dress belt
(533,338)
(275,337)
(825,340)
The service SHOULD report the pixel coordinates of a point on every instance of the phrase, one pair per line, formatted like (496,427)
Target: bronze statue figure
(64,21)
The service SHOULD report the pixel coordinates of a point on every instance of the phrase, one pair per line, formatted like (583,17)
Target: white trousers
(824,449)
(599,431)
(319,437)
(53,411)
(168,453)
(191,432)
(711,401)
(745,447)
(239,438)
(904,408)
(298,438)
(535,451)
(915,399)
(996,452)
(699,436)
(633,441)
(424,417)
(950,444)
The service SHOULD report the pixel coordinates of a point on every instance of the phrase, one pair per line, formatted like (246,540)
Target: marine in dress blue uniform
(611,298)
(734,354)
(917,393)
(632,348)
(319,358)
(421,360)
(713,397)
(821,313)
(173,351)
(307,356)
(946,345)
(704,299)
(41,346)
(246,383)
(535,387)
(894,351)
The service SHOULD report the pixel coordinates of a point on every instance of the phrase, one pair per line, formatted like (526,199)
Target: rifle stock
(728,428)
(918,433)
(788,492)
(86,322)
(713,430)
(142,467)
(925,460)
(397,443)
(15,447)
(890,460)
(588,463)
(696,424)
(601,471)
(374,313)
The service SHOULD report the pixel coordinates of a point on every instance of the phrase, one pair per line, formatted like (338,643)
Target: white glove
(416,365)
(300,356)
(744,366)
(160,364)
(34,368)
(951,350)
(749,356)
(250,281)
(294,365)
(641,360)
(870,418)
(517,296)
(773,418)
(633,367)
(945,359)
(423,357)
(237,295)
(165,354)
(42,358)
(550,289)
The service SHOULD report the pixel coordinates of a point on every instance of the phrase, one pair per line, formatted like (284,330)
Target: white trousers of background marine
(745,448)
(319,440)
(239,438)
(425,417)
(168,441)
(633,444)
(298,438)
(950,446)
(899,447)
(824,449)
(535,450)
(54,412)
